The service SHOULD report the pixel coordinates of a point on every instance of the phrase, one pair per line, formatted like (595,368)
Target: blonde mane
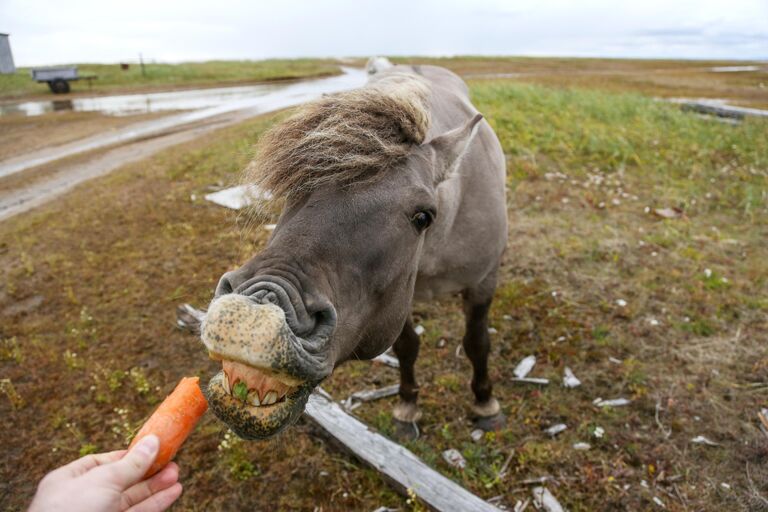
(344,138)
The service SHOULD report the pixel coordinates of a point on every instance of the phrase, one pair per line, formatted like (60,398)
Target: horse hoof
(490,423)
(405,430)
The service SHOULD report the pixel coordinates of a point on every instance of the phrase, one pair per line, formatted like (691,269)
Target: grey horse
(393,193)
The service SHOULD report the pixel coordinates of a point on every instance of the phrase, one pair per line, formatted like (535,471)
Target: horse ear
(449,148)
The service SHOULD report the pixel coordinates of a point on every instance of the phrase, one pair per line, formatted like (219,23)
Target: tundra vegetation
(666,309)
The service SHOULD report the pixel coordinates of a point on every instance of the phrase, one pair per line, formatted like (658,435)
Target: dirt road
(138,141)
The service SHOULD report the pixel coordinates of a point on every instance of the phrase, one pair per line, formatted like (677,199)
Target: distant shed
(6,57)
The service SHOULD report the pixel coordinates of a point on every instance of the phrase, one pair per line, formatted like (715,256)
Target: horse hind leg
(406,413)
(486,411)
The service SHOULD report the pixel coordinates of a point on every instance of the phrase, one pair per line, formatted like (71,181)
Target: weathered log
(397,464)
(720,109)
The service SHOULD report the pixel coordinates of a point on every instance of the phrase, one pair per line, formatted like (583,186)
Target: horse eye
(421,220)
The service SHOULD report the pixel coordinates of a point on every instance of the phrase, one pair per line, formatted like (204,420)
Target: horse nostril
(225,285)
(266,296)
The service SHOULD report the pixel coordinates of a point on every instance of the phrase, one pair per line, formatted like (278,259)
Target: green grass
(112,78)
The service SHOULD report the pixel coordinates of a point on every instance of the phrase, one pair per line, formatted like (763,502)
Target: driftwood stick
(370,395)
(189,318)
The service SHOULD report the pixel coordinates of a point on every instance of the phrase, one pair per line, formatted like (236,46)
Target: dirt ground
(22,134)
(670,313)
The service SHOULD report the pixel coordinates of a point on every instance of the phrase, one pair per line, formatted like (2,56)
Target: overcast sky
(62,31)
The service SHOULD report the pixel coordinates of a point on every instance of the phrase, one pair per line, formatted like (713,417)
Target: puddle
(133,104)
(237,107)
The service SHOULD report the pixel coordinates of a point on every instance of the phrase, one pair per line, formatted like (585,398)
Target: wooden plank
(721,109)
(397,464)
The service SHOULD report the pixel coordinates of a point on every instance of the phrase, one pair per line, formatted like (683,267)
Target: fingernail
(148,445)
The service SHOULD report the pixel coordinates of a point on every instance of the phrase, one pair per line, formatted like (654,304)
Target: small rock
(477,435)
(621,303)
(441,343)
(614,360)
(582,447)
(599,432)
(454,458)
(492,330)
(419,329)
(660,503)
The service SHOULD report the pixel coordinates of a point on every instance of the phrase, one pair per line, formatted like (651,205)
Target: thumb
(134,465)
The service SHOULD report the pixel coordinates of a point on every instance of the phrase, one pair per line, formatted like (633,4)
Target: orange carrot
(174,420)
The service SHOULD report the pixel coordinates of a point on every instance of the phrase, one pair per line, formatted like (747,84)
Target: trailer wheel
(59,86)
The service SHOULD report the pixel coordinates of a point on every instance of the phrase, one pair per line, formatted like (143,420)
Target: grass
(113,258)
(111,78)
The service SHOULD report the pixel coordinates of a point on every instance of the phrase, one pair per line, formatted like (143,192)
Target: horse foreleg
(406,412)
(477,344)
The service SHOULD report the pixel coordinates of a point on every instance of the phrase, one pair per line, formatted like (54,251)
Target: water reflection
(131,104)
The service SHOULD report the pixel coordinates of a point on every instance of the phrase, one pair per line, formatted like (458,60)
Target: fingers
(131,468)
(168,476)
(87,463)
(159,501)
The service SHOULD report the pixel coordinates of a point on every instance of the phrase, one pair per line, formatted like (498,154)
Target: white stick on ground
(615,402)
(370,395)
(524,367)
(387,360)
(569,379)
(543,499)
(532,380)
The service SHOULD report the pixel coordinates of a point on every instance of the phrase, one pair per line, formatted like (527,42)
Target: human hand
(107,482)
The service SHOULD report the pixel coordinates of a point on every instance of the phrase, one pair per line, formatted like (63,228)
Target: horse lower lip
(254,422)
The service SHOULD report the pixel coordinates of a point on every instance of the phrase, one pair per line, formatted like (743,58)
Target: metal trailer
(57,78)
(7,66)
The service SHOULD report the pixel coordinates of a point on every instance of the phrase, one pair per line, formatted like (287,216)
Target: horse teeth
(253,398)
(225,384)
(271,398)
